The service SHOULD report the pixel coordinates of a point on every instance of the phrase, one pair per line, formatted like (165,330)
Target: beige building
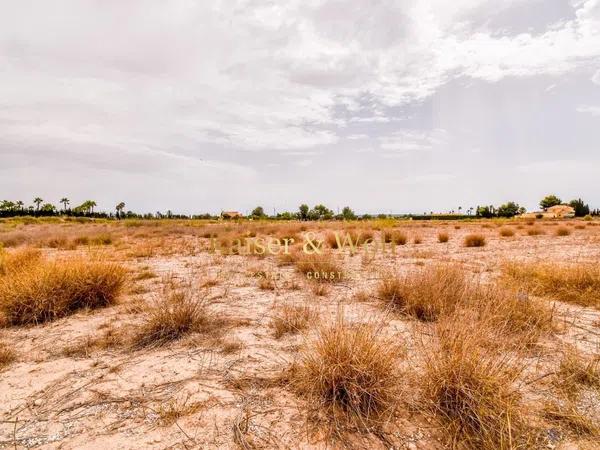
(231,215)
(554,212)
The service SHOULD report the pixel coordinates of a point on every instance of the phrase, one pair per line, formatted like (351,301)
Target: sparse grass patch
(577,371)
(48,290)
(563,231)
(475,240)
(567,414)
(576,283)
(291,319)
(349,374)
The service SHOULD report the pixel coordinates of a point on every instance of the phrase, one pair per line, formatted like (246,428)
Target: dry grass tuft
(567,413)
(175,314)
(563,231)
(395,237)
(350,373)
(18,260)
(475,240)
(507,232)
(426,294)
(43,291)
(292,319)
(577,283)
(535,231)
(576,371)
(471,391)
(7,355)
(325,263)
(443,237)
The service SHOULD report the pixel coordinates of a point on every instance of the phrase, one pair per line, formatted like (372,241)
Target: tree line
(39,207)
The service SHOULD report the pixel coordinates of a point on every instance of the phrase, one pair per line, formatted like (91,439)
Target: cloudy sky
(387,106)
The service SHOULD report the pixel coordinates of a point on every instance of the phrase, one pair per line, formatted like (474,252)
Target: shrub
(292,319)
(475,240)
(49,290)
(426,294)
(443,237)
(563,231)
(507,232)
(174,315)
(350,373)
(18,260)
(588,218)
(578,283)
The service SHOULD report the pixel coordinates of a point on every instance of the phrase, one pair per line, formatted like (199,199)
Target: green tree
(20,205)
(48,208)
(549,201)
(510,209)
(348,214)
(580,207)
(119,209)
(486,212)
(38,201)
(258,212)
(303,212)
(65,202)
(320,212)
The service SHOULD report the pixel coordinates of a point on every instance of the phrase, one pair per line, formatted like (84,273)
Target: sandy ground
(225,388)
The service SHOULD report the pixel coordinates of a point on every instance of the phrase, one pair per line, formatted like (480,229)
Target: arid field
(261,334)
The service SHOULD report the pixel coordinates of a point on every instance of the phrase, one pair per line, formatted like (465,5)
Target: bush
(475,240)
(46,291)
(535,231)
(507,232)
(396,237)
(563,231)
(7,356)
(443,237)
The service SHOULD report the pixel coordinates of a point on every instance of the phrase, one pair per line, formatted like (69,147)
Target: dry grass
(325,263)
(475,240)
(443,237)
(470,390)
(177,313)
(427,293)
(395,237)
(36,292)
(577,283)
(7,355)
(349,373)
(535,231)
(18,260)
(567,414)
(291,319)
(577,371)
(507,232)
(563,231)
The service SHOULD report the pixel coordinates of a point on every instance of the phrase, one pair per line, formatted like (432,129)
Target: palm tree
(119,209)
(38,201)
(20,204)
(65,201)
(91,205)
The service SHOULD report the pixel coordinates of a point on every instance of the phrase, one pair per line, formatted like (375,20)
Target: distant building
(554,212)
(231,215)
(561,211)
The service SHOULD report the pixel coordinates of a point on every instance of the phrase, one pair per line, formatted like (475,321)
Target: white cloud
(593,110)
(413,140)
(596,78)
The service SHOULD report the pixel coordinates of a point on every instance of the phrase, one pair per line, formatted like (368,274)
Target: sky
(385,106)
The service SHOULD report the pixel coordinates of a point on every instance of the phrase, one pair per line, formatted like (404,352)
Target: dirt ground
(224,390)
